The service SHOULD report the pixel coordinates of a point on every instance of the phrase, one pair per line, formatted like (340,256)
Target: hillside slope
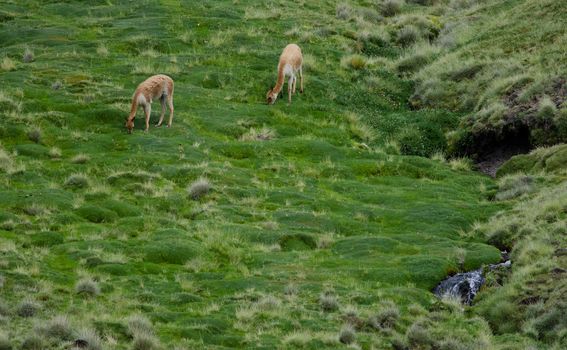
(244,225)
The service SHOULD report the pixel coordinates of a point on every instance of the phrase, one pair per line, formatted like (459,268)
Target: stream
(466,285)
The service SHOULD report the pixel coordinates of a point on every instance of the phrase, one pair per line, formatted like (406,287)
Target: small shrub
(199,188)
(80,159)
(34,135)
(356,62)
(546,108)
(5,343)
(33,342)
(343,11)
(58,327)
(87,286)
(347,334)
(55,153)
(391,8)
(28,56)
(87,339)
(77,181)
(408,35)
(144,342)
(7,64)
(328,302)
(27,308)
(138,324)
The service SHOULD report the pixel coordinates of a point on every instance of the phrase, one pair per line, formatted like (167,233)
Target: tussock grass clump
(33,342)
(139,324)
(390,8)
(7,64)
(460,164)
(439,157)
(6,162)
(56,85)
(513,186)
(263,134)
(77,181)
(5,343)
(417,57)
(199,188)
(355,61)
(4,309)
(423,2)
(386,318)
(347,334)
(58,327)
(55,153)
(328,302)
(418,337)
(343,11)
(27,308)
(291,289)
(8,225)
(102,50)
(35,135)
(359,129)
(87,339)
(88,287)
(28,56)
(144,342)
(546,108)
(80,159)
(407,35)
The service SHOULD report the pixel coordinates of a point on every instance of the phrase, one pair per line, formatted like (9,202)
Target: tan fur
(290,64)
(157,86)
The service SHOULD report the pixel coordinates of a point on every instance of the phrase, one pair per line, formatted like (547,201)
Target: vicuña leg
(170,103)
(162,101)
(301,79)
(289,88)
(148,111)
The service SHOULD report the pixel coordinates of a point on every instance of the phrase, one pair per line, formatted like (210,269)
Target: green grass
(306,206)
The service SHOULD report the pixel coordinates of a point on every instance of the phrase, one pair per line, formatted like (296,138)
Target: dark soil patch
(490,163)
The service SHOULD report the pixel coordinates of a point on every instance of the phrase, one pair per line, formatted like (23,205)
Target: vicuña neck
(280,82)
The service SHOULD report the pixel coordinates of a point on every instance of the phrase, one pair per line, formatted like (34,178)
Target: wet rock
(463,285)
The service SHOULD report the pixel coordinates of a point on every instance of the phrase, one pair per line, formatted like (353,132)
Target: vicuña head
(290,63)
(271,97)
(129,125)
(158,86)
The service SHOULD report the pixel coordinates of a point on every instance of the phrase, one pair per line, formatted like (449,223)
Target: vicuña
(157,86)
(290,64)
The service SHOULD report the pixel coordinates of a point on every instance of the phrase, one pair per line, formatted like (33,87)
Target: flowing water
(465,285)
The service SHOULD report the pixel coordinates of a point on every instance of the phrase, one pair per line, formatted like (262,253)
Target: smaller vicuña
(157,86)
(290,64)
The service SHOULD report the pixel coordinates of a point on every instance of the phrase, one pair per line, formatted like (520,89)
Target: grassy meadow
(321,224)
